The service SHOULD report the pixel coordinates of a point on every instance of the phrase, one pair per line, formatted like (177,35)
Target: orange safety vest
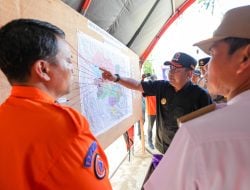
(44,145)
(151,105)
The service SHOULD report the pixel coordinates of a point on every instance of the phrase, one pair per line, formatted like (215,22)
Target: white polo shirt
(211,152)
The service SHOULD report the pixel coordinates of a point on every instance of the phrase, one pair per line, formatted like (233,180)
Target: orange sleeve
(82,165)
(47,146)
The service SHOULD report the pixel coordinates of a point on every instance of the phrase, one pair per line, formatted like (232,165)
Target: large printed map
(104,103)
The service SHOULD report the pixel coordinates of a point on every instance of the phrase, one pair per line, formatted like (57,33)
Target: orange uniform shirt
(151,105)
(44,145)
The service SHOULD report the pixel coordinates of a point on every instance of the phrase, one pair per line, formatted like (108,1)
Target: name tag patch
(90,154)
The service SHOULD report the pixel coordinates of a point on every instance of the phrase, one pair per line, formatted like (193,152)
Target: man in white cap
(203,65)
(212,151)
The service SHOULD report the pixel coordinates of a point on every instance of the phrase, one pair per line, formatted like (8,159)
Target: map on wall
(104,103)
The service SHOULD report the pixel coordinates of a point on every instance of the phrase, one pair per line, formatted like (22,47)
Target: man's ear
(245,62)
(190,74)
(41,69)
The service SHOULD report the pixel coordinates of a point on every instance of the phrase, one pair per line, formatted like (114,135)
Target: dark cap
(203,61)
(197,72)
(183,59)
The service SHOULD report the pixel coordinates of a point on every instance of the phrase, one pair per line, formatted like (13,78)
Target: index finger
(102,69)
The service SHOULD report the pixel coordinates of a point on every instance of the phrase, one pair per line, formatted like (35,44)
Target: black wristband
(117,78)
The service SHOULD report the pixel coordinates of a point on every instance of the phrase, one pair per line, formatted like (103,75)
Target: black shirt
(171,105)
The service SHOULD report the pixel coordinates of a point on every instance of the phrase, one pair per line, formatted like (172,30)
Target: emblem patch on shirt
(90,154)
(163,101)
(99,168)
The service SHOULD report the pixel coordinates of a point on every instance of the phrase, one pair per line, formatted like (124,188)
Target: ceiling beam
(85,7)
(173,6)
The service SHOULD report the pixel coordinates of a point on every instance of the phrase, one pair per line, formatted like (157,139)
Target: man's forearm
(130,83)
(124,81)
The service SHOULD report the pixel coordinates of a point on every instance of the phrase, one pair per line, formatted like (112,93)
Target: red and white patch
(99,168)
(176,57)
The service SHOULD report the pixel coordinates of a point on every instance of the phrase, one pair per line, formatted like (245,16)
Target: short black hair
(236,43)
(24,41)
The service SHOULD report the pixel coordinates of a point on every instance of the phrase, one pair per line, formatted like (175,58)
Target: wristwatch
(117,78)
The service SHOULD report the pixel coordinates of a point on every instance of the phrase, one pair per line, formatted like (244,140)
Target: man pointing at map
(174,98)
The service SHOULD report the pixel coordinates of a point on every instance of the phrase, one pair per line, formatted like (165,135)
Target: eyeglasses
(175,69)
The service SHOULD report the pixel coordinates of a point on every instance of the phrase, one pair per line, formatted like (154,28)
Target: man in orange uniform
(151,113)
(43,145)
